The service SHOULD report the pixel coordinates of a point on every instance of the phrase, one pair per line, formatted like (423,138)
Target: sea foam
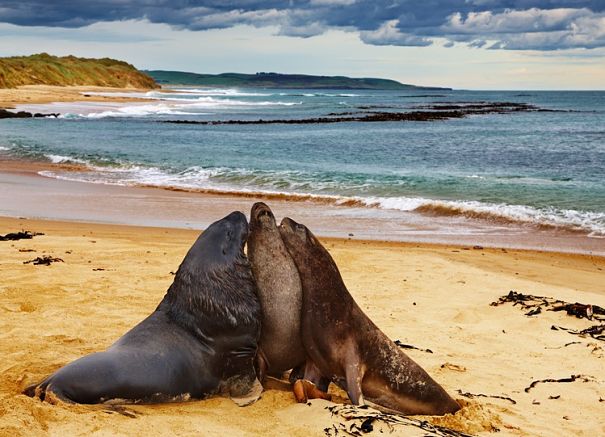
(246,181)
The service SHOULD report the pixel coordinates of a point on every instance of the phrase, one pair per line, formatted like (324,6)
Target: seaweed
(535,304)
(572,378)
(481,395)
(409,346)
(21,235)
(45,260)
(361,421)
(595,331)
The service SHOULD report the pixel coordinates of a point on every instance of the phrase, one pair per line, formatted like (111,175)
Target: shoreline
(24,192)
(10,98)
(432,297)
(525,258)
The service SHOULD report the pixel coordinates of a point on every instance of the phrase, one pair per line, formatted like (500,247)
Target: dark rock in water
(9,114)
(24,114)
(433,112)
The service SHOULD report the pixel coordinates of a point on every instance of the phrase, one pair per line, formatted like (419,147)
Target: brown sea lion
(200,340)
(344,345)
(280,295)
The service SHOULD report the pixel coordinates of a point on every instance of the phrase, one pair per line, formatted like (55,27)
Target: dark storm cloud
(495,24)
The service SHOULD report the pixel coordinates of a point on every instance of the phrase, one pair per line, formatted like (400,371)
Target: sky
(470,44)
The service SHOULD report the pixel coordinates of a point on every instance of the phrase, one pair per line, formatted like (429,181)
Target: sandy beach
(433,297)
(41,94)
(425,280)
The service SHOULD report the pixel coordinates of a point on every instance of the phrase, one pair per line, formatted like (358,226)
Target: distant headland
(277,80)
(45,69)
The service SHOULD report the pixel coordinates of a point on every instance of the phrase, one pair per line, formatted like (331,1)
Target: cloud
(388,34)
(494,24)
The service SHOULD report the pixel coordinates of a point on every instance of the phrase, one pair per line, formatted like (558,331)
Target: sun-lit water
(536,167)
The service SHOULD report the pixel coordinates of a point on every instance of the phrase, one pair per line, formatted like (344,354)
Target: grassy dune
(44,69)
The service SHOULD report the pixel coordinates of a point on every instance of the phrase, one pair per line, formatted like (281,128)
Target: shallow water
(541,168)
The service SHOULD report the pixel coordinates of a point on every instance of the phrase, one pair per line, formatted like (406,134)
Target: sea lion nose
(260,209)
(288,223)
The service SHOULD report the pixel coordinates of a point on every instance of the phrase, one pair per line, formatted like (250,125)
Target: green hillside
(44,69)
(276,80)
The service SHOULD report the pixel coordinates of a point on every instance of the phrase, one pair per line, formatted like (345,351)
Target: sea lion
(344,345)
(280,294)
(201,339)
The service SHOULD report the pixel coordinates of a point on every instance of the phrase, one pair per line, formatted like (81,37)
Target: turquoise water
(534,167)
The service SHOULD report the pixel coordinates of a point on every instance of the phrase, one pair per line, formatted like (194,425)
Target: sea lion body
(201,339)
(343,344)
(279,292)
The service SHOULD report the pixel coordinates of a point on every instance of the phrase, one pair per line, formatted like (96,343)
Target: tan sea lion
(280,295)
(344,345)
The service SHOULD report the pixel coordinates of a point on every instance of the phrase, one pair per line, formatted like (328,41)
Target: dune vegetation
(45,69)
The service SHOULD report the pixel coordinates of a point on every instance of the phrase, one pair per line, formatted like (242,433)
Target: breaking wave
(184,107)
(295,186)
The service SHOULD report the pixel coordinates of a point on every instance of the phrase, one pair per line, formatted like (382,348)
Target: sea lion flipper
(249,398)
(262,365)
(354,376)
(305,390)
(30,390)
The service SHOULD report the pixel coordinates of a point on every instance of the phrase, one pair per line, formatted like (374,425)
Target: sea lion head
(297,231)
(261,217)
(214,281)
(221,244)
(299,240)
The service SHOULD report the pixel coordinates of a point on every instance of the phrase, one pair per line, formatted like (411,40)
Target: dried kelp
(595,331)
(481,395)
(409,346)
(21,235)
(535,304)
(45,260)
(360,420)
(572,378)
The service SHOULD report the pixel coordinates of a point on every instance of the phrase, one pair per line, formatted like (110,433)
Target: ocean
(538,168)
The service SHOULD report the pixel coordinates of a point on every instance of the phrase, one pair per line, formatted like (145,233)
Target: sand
(429,296)
(36,94)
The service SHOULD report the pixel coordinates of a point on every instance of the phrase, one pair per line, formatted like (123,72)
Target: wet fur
(343,344)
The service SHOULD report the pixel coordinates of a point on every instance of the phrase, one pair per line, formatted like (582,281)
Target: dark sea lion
(200,340)
(280,295)
(344,345)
